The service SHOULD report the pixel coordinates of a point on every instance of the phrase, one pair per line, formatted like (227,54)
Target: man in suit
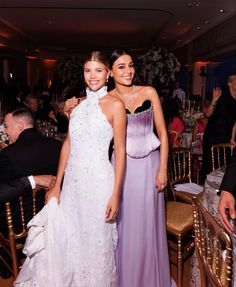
(30,153)
(226,205)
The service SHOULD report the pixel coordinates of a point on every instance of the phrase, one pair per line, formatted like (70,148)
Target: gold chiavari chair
(211,242)
(221,154)
(17,212)
(179,225)
(179,171)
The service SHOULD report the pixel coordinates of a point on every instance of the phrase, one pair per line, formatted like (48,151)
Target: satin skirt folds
(142,253)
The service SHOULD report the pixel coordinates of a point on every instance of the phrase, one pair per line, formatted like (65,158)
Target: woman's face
(123,70)
(95,75)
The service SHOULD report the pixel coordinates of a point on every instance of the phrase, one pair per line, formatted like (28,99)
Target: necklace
(131,96)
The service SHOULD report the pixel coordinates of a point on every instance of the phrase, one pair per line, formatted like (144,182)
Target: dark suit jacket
(31,154)
(229,179)
(12,190)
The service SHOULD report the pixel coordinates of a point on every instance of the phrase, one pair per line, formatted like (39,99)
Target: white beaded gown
(87,187)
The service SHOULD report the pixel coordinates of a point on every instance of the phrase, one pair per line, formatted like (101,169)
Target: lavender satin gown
(142,254)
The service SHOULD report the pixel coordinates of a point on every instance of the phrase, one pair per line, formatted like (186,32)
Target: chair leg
(15,264)
(202,274)
(180,262)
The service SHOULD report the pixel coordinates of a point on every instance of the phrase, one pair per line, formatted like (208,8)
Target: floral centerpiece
(158,65)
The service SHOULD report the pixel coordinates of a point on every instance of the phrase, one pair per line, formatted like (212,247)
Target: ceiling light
(197,4)
(206,22)
(222,11)
(199,28)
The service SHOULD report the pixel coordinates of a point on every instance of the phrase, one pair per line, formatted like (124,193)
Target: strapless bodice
(141,140)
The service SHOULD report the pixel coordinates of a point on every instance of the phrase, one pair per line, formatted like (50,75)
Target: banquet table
(210,200)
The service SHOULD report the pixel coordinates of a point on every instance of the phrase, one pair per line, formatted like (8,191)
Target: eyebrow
(125,64)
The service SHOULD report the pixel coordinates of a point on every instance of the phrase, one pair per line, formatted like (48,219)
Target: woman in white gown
(85,241)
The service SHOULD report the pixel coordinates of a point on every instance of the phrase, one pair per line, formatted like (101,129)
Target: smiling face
(95,75)
(123,70)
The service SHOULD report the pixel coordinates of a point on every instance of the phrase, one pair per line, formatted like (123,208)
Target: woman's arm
(216,94)
(161,179)
(64,155)
(119,131)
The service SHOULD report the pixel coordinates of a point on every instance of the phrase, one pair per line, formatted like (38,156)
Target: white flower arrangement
(158,65)
(3,136)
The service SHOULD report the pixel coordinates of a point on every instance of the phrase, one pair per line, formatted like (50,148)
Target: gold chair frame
(179,222)
(11,243)
(210,241)
(179,171)
(219,155)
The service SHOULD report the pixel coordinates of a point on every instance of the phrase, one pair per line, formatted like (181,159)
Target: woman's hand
(70,104)
(112,208)
(53,192)
(161,180)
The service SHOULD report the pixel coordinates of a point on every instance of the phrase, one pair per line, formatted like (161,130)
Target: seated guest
(30,153)
(59,118)
(174,122)
(198,131)
(32,103)
(226,205)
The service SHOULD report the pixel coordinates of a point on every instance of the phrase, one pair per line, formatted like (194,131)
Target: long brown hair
(97,56)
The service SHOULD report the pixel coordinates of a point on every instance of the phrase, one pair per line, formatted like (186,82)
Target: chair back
(18,213)
(179,165)
(221,154)
(213,247)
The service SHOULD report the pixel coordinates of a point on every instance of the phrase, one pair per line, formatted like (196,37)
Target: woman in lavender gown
(142,255)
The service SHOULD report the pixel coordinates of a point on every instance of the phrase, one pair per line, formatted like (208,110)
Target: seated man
(30,153)
(226,205)
(32,103)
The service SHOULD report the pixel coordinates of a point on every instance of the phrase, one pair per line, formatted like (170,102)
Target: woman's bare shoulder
(113,102)
(148,90)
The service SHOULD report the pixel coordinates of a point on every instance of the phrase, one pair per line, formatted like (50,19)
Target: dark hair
(97,56)
(117,53)
(25,115)
(70,92)
(171,110)
(30,97)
